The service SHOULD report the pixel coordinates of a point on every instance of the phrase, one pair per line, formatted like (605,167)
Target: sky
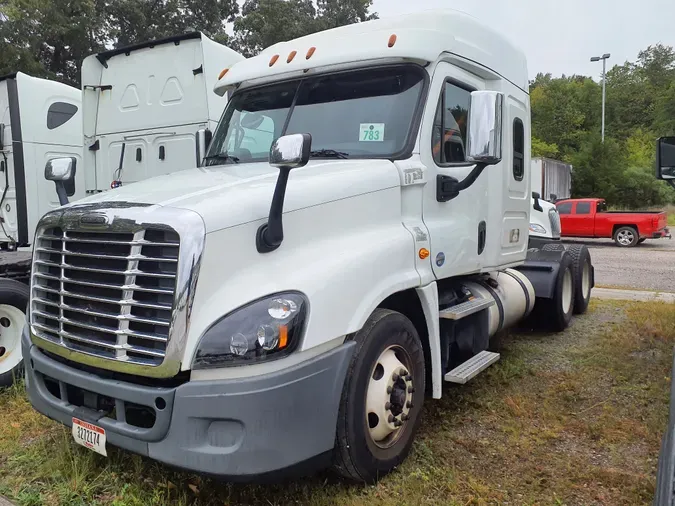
(561,36)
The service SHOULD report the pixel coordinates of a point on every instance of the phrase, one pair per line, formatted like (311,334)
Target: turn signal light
(424,253)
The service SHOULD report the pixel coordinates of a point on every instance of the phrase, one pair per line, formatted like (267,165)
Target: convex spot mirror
(484,139)
(60,169)
(291,151)
(665,158)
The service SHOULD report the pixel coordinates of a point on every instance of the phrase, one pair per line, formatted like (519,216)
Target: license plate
(89,435)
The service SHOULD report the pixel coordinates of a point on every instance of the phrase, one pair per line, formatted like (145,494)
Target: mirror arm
(271,234)
(448,187)
(61,192)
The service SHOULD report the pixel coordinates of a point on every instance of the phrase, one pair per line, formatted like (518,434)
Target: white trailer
(250,319)
(552,179)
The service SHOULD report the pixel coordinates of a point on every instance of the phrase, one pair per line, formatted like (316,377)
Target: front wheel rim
(12,320)
(389,397)
(625,237)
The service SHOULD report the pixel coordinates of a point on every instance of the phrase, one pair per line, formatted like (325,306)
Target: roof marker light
(310,52)
(274,59)
(392,40)
(291,56)
(222,73)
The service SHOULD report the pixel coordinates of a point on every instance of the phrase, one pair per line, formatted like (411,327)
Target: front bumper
(240,428)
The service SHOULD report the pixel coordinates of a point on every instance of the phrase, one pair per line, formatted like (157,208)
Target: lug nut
(389,390)
(391,418)
(387,405)
(398,423)
(394,377)
(404,373)
(409,405)
(411,390)
(408,377)
(405,417)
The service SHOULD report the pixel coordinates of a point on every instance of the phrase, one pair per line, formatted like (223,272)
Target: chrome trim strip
(125,217)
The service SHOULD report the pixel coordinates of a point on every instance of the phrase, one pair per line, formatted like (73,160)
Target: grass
(567,419)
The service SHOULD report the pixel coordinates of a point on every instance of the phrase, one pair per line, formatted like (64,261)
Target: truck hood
(231,195)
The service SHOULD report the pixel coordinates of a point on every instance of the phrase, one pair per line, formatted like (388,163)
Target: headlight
(537,229)
(267,329)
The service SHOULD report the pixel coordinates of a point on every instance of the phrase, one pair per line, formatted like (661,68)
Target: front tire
(382,398)
(626,237)
(13,302)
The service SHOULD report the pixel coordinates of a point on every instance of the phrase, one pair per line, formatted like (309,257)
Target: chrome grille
(109,294)
(554,218)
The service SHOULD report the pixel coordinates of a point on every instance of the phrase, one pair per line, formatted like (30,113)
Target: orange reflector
(310,52)
(274,59)
(291,56)
(222,73)
(424,253)
(283,336)
(392,40)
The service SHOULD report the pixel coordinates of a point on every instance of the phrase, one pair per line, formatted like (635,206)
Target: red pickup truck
(590,218)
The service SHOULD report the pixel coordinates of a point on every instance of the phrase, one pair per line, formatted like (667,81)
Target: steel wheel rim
(586,280)
(12,320)
(625,237)
(389,397)
(567,291)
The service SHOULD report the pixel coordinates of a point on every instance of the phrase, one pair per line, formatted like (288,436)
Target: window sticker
(371,132)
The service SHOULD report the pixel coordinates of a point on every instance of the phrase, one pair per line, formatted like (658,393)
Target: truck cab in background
(149,109)
(291,304)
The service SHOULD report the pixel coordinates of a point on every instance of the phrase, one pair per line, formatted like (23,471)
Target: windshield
(365,113)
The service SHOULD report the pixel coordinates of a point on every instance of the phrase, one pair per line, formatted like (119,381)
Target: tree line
(50,38)
(640,107)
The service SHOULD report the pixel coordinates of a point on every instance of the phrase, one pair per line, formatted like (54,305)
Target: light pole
(604,60)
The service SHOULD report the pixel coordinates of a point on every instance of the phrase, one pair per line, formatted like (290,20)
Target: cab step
(466,308)
(472,367)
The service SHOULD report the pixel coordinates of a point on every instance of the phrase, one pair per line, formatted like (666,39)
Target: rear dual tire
(555,314)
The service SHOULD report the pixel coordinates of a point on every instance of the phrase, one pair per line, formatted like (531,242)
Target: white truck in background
(143,111)
(149,109)
(292,303)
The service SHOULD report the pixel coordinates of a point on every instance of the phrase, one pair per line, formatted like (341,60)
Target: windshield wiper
(329,153)
(223,157)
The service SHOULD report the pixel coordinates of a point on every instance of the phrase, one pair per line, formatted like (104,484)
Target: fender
(541,268)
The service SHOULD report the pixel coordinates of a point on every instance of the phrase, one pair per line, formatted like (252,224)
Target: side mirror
(204,137)
(291,151)
(2,136)
(484,142)
(62,172)
(287,152)
(536,196)
(60,169)
(665,158)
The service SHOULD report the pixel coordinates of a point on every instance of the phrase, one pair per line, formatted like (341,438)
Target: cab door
(453,225)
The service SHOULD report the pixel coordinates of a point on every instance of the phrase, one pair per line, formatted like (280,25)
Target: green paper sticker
(371,132)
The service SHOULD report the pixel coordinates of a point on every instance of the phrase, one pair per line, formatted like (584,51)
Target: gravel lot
(649,266)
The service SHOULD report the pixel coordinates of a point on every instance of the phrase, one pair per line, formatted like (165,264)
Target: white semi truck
(143,111)
(293,303)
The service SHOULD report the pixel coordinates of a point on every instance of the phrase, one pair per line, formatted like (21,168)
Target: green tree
(545,149)
(598,169)
(263,23)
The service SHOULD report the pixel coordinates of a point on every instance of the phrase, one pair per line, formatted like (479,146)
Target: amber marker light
(424,253)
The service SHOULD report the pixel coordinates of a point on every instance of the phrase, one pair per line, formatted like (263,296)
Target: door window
(449,135)
(59,113)
(565,208)
(583,208)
